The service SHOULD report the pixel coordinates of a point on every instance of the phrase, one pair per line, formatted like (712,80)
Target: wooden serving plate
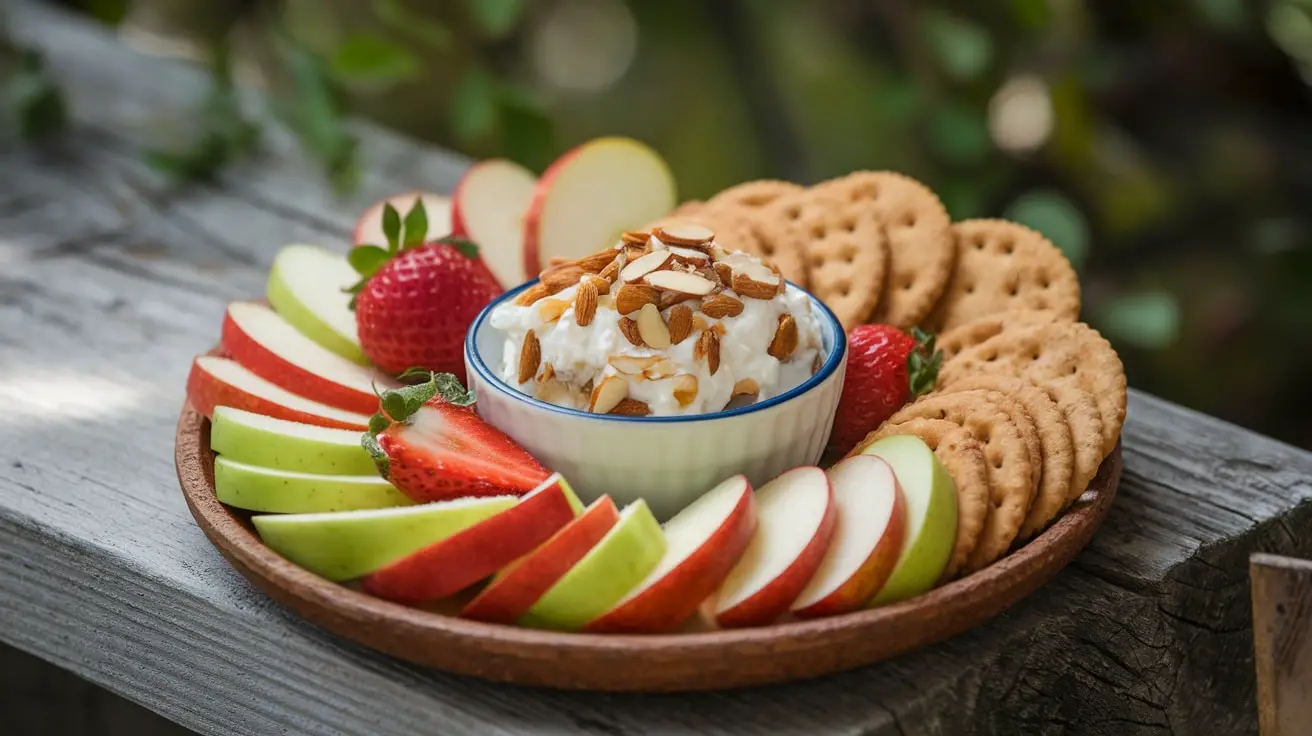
(705,660)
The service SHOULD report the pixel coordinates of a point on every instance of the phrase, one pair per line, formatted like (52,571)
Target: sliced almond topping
(608,394)
(783,284)
(605,301)
(746,387)
(597,261)
(685,233)
(612,272)
(708,347)
(785,338)
(670,298)
(634,365)
(530,355)
(652,328)
(548,372)
(585,303)
(662,368)
(816,362)
(562,277)
(633,253)
(691,255)
(645,264)
(532,294)
(680,323)
(550,309)
(632,297)
(725,272)
(685,389)
(719,306)
(749,287)
(630,408)
(698,323)
(629,329)
(680,281)
(635,237)
(554,391)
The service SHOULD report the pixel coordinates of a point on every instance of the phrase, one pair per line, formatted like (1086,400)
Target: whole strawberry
(415,300)
(886,368)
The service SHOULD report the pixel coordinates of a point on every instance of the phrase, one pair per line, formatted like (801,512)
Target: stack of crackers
(1029,401)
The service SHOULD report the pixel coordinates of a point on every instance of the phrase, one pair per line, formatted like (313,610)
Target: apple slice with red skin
(517,587)
(457,562)
(488,208)
(590,195)
(796,515)
(368,229)
(705,540)
(271,348)
(867,539)
(218,381)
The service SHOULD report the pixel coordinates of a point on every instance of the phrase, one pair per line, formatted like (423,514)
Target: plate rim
(690,662)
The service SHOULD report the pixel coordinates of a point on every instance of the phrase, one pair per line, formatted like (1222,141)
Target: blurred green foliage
(1161,145)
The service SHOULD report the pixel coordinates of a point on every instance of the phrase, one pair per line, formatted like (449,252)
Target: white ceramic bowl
(669,461)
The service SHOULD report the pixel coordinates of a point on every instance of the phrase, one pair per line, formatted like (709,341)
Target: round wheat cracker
(963,457)
(976,331)
(1002,266)
(1066,353)
(921,251)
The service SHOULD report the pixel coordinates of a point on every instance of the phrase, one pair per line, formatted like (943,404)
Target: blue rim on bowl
(835,357)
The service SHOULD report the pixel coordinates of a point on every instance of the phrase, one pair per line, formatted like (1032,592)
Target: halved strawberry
(432,446)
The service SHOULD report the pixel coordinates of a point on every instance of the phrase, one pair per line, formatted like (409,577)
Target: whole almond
(629,329)
(630,408)
(603,286)
(708,347)
(632,297)
(685,389)
(785,337)
(680,323)
(652,328)
(597,261)
(747,286)
(725,272)
(532,294)
(585,303)
(550,309)
(719,306)
(611,272)
(530,355)
(556,261)
(562,277)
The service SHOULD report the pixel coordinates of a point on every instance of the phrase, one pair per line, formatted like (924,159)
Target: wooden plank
(1282,639)
(104,299)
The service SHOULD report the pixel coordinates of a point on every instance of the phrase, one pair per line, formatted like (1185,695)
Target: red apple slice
(516,588)
(271,348)
(369,228)
(488,208)
(459,561)
(867,539)
(223,382)
(795,515)
(590,195)
(705,541)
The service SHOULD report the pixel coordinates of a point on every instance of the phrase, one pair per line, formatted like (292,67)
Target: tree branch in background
(766,109)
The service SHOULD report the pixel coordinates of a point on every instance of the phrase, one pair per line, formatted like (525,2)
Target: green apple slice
(271,442)
(930,496)
(617,564)
(350,544)
(289,492)
(305,287)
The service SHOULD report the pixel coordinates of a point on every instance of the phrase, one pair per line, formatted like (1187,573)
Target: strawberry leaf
(923,363)
(396,406)
(367,259)
(466,247)
(450,389)
(378,423)
(416,224)
(369,441)
(392,227)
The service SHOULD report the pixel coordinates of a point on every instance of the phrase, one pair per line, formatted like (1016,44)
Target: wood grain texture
(1282,642)
(684,662)
(111,280)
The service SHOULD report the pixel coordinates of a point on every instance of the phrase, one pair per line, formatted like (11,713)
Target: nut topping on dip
(666,323)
